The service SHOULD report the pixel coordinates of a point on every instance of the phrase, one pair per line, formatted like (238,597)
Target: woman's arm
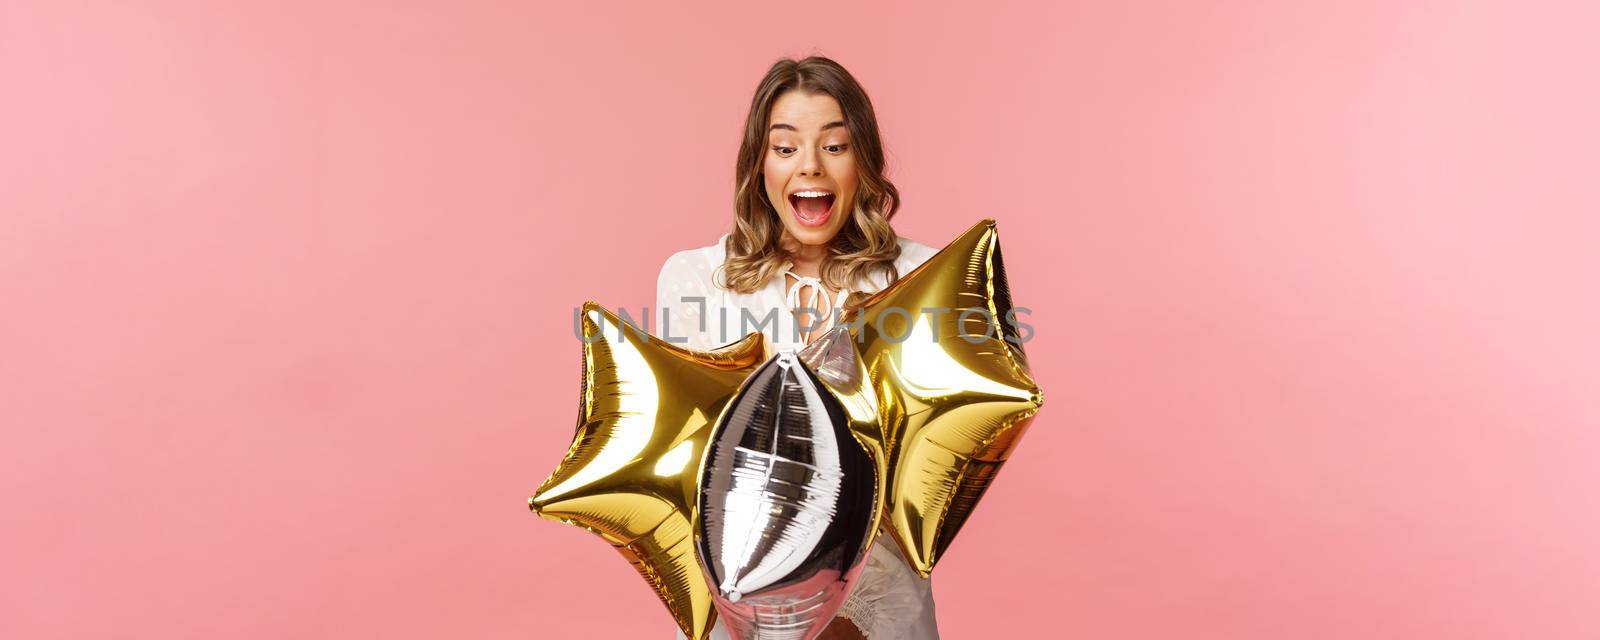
(841,629)
(674,319)
(891,602)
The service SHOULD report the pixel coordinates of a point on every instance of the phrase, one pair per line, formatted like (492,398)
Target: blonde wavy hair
(866,243)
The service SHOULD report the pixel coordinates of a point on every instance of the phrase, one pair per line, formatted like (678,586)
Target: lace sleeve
(681,294)
(892,602)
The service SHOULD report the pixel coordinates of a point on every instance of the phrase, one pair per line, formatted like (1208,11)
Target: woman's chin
(811,235)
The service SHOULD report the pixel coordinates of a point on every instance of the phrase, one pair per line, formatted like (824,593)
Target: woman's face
(809,170)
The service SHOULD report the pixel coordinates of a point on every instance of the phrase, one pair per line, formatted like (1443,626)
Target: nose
(811,164)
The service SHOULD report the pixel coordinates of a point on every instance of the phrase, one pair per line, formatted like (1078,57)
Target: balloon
(837,362)
(646,410)
(788,500)
(953,388)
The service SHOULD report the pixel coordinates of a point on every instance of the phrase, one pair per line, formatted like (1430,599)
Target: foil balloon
(954,391)
(836,360)
(645,413)
(788,503)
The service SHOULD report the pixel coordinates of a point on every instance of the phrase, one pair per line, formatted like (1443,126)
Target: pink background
(286,292)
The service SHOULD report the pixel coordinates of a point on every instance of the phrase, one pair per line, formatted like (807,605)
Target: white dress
(891,602)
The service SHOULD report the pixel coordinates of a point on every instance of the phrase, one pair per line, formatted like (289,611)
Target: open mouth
(811,208)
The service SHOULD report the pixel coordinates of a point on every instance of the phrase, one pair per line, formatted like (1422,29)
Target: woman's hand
(841,629)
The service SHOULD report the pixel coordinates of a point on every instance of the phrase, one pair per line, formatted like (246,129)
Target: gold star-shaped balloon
(953,387)
(646,411)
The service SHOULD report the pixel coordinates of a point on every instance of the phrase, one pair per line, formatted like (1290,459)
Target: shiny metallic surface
(837,363)
(788,503)
(755,490)
(646,410)
(953,389)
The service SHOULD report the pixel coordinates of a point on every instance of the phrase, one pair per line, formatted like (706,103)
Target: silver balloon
(788,500)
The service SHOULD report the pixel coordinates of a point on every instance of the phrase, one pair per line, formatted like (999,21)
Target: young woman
(810,234)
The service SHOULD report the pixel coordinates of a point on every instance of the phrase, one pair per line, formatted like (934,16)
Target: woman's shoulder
(912,254)
(699,262)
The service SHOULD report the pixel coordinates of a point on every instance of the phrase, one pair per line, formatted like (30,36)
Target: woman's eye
(835,148)
(783,151)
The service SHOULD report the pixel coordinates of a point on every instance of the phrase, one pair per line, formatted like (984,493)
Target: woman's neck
(807,258)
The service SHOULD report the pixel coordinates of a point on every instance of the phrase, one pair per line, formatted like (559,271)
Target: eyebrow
(830,125)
